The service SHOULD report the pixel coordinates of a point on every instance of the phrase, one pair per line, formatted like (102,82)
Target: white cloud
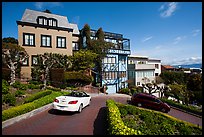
(167,10)
(178,39)
(195,32)
(39,5)
(43,5)
(187,61)
(147,38)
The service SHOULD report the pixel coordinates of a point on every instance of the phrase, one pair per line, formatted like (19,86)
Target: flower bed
(116,125)
(22,109)
(151,122)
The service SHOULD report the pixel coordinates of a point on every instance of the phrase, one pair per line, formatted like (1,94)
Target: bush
(115,123)
(37,96)
(6,73)
(53,88)
(125,91)
(19,93)
(22,109)
(33,86)
(5,87)
(77,78)
(9,99)
(183,107)
(20,86)
(35,82)
(151,122)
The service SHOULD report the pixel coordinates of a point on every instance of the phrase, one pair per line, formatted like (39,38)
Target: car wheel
(163,110)
(80,108)
(139,104)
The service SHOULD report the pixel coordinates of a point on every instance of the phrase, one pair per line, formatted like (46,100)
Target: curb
(186,112)
(24,116)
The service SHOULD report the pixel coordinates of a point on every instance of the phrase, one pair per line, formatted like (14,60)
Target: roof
(30,16)
(168,67)
(138,56)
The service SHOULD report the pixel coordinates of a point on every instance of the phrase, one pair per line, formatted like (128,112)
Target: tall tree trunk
(45,78)
(13,73)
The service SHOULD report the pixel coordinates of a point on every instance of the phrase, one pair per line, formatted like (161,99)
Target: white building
(143,70)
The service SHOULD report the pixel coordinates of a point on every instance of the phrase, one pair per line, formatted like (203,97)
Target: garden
(132,120)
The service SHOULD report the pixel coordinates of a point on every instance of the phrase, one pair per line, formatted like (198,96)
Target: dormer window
(47,21)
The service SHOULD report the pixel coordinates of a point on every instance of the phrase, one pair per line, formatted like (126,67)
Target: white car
(75,101)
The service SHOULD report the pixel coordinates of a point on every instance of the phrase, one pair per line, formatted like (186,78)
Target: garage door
(111,89)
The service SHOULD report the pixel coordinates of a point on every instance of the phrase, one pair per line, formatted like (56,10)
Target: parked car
(75,101)
(149,101)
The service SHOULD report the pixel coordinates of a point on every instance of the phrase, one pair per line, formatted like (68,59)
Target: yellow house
(40,32)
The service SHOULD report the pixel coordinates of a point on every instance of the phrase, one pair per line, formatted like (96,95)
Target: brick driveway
(91,121)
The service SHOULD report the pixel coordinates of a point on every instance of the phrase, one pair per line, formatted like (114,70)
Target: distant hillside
(189,66)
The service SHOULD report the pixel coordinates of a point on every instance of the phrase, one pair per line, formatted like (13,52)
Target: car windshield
(77,94)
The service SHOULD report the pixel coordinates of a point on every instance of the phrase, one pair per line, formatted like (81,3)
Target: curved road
(91,121)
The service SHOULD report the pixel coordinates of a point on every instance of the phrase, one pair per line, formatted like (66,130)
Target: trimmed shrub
(57,77)
(183,107)
(125,91)
(9,99)
(151,122)
(37,96)
(19,93)
(5,87)
(22,109)
(115,123)
(53,88)
(77,78)
(33,86)
(20,86)
(6,73)
(35,82)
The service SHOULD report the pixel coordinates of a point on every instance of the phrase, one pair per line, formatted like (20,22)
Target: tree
(179,92)
(194,82)
(10,40)
(47,61)
(12,54)
(83,60)
(86,36)
(100,34)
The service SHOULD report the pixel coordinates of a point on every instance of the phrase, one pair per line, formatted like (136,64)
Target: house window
(54,23)
(61,42)
(41,21)
(138,83)
(50,22)
(45,41)
(28,39)
(75,46)
(34,60)
(25,62)
(157,66)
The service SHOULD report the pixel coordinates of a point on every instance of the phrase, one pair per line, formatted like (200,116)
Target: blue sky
(169,31)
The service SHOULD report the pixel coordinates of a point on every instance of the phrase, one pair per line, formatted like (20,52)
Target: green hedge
(115,123)
(151,122)
(184,107)
(22,109)
(9,99)
(20,86)
(5,87)
(37,96)
(74,78)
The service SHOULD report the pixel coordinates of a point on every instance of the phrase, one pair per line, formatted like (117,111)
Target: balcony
(144,66)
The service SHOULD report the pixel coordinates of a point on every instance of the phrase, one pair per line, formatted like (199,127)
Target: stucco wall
(26,70)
